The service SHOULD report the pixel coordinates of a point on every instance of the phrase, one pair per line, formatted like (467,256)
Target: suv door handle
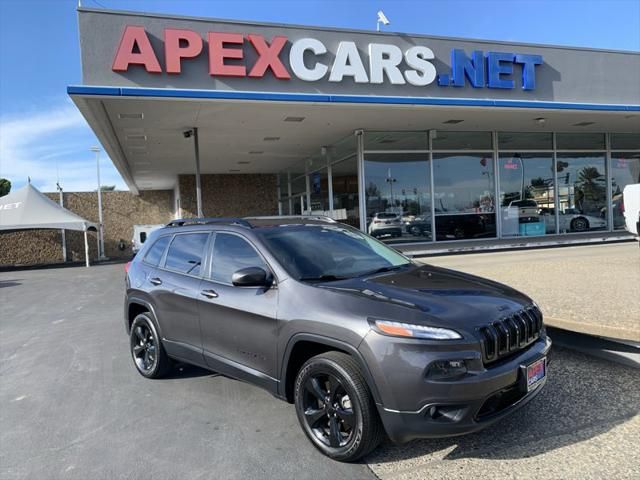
(209,293)
(156,281)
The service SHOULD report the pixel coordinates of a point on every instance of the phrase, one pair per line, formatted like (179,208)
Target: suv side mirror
(251,277)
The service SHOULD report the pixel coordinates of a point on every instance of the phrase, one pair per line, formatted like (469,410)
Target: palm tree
(593,188)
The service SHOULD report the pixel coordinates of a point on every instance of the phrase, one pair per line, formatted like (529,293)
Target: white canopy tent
(28,209)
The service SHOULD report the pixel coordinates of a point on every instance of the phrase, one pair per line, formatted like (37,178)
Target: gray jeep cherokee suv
(361,339)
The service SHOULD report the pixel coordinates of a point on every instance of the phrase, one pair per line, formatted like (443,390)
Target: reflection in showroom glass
(582,192)
(398,196)
(527,194)
(464,196)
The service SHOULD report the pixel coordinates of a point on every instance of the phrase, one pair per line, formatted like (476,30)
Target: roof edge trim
(107,91)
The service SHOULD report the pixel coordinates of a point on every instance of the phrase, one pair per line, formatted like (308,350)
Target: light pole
(390,180)
(96,150)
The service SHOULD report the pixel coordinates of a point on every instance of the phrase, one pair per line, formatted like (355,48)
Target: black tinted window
(230,254)
(155,252)
(337,251)
(185,253)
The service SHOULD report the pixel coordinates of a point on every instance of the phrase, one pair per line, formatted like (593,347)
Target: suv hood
(455,298)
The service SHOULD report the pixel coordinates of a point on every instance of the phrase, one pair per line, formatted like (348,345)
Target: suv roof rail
(318,218)
(180,222)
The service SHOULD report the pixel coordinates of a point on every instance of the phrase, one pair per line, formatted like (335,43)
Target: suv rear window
(387,215)
(185,253)
(154,254)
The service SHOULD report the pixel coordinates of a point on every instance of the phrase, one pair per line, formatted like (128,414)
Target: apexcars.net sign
(307,60)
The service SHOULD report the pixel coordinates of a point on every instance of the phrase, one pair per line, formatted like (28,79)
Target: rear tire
(335,408)
(146,348)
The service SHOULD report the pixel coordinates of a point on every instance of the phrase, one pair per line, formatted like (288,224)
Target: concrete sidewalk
(591,289)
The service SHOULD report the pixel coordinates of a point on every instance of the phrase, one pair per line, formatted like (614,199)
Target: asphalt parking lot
(74,407)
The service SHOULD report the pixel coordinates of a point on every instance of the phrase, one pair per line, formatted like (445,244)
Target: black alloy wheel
(335,408)
(146,349)
(328,410)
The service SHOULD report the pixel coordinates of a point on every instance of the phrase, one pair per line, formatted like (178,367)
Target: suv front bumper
(456,407)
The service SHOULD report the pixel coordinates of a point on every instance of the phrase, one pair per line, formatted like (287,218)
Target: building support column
(327,153)
(556,187)
(289,193)
(196,148)
(177,203)
(279,193)
(308,195)
(361,181)
(86,248)
(497,208)
(607,174)
(430,136)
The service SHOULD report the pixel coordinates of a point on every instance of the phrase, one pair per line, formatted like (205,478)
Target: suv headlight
(409,330)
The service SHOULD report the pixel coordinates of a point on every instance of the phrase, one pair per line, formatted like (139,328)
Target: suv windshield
(329,252)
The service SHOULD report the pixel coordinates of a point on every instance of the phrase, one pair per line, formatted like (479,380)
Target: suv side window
(230,254)
(154,254)
(185,253)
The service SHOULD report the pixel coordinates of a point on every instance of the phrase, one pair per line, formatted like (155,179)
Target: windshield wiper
(322,278)
(384,269)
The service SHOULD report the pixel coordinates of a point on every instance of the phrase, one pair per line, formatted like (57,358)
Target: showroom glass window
(582,191)
(625,170)
(526,194)
(526,184)
(319,191)
(185,253)
(345,191)
(581,182)
(464,185)
(398,195)
(283,189)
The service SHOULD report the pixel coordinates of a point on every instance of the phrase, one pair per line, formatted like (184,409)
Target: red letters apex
(136,49)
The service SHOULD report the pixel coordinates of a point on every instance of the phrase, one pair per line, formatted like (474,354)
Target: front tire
(335,408)
(147,351)
(580,224)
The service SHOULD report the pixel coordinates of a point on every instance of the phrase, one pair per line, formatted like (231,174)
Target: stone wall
(230,195)
(222,196)
(121,210)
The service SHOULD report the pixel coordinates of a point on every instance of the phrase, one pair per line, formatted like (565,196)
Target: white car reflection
(570,220)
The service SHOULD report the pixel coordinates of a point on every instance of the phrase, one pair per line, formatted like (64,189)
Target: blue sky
(43,136)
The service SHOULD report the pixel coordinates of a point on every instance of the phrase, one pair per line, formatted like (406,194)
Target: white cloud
(50,145)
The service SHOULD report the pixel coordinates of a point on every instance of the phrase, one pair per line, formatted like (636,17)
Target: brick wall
(230,195)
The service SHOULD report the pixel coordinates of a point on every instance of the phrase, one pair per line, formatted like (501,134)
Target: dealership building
(422,141)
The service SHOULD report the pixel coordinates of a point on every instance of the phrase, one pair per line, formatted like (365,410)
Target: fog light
(446,413)
(446,369)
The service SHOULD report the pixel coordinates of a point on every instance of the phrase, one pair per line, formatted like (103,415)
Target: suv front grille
(510,334)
